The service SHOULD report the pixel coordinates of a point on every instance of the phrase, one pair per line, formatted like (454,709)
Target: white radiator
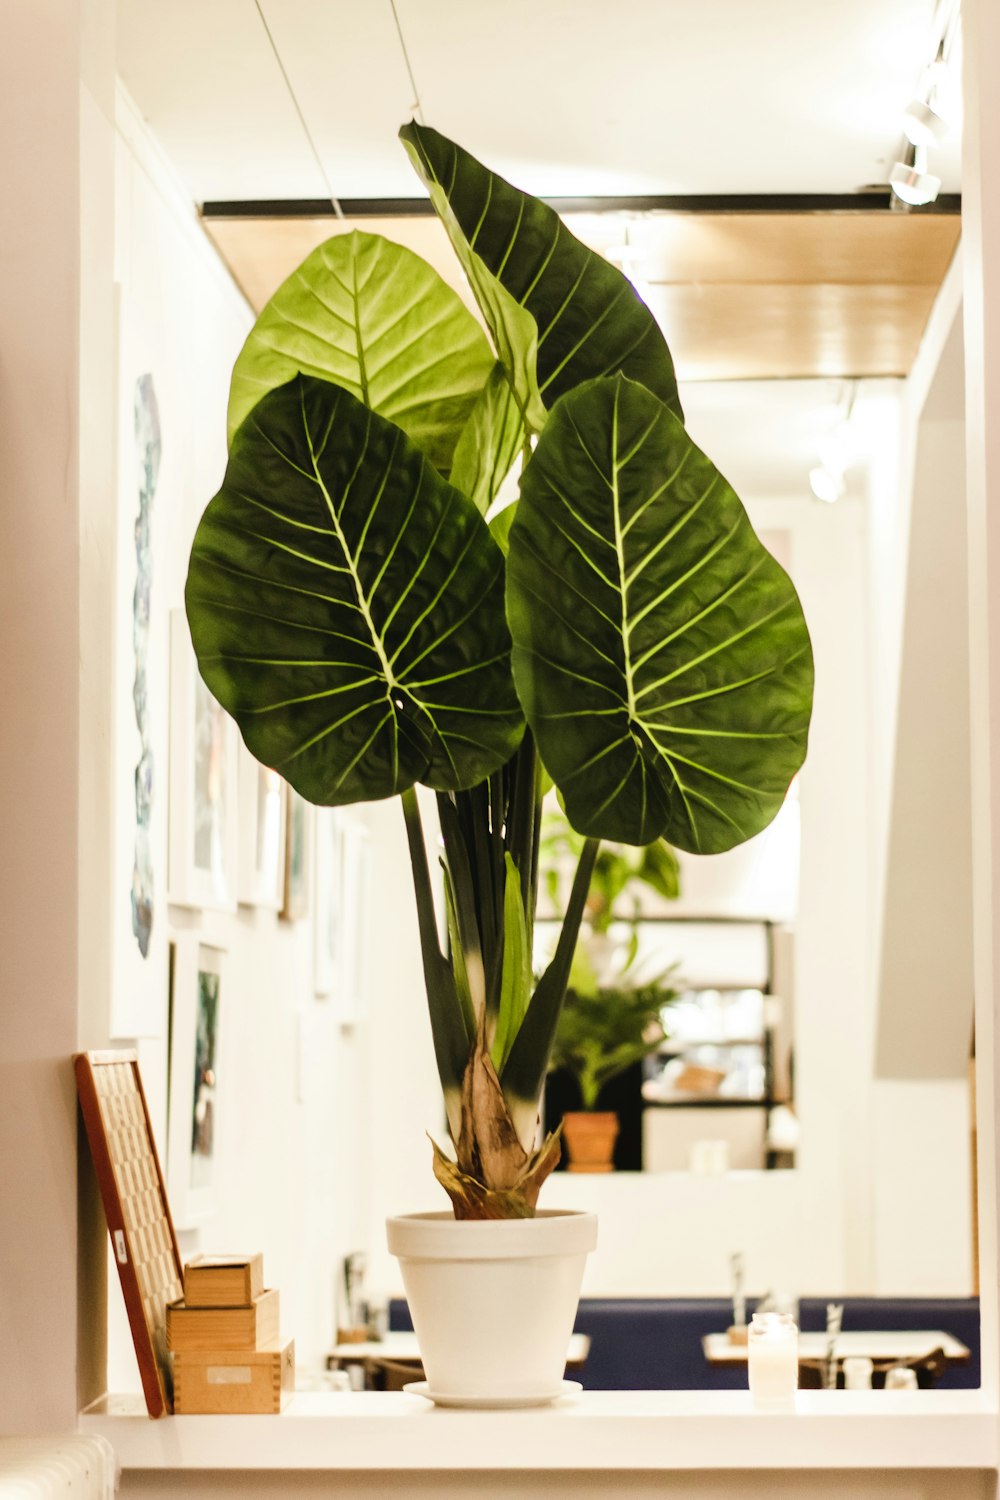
(70,1468)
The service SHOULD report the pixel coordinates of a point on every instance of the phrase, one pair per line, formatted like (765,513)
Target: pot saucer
(494,1403)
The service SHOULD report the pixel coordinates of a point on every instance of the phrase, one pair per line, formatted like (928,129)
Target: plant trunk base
(472,1199)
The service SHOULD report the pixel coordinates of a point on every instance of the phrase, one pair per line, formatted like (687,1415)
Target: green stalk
(522,815)
(528,1060)
(463,895)
(452,1041)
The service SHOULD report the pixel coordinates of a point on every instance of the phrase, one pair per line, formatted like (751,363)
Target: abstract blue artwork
(147,453)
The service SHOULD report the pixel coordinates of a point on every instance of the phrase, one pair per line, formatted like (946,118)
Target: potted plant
(371,625)
(602,1031)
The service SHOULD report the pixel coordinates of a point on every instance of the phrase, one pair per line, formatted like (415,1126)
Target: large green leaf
(559,314)
(490,442)
(346,605)
(376,319)
(660,652)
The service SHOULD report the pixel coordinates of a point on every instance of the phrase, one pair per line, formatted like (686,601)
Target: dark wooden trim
(875,200)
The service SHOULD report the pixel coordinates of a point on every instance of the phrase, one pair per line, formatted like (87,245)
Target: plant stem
(449,1024)
(528,1059)
(426,918)
(562,960)
(522,818)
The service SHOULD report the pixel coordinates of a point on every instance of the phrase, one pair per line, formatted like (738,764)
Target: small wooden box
(233,1328)
(252,1382)
(223,1280)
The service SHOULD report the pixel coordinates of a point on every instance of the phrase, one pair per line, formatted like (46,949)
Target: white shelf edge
(652,1431)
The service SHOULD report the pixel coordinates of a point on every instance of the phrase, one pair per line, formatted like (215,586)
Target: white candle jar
(773,1356)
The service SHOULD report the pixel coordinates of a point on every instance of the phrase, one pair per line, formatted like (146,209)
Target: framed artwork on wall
(195,1091)
(261,843)
(204,781)
(298,841)
(327,913)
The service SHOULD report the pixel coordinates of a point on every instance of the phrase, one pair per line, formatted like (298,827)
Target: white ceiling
(565,97)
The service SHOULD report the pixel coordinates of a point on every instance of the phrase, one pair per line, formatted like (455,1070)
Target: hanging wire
(416,106)
(334,200)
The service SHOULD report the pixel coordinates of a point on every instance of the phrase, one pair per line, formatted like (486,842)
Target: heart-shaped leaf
(376,319)
(660,652)
(490,442)
(346,605)
(559,314)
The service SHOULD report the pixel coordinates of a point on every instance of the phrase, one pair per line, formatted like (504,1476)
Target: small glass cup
(773,1357)
(900,1378)
(858,1370)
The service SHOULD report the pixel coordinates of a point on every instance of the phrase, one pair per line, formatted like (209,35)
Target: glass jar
(773,1356)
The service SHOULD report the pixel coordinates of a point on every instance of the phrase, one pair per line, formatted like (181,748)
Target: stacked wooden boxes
(225,1339)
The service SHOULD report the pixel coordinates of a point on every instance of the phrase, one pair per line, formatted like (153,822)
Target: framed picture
(204,779)
(195,1093)
(327,921)
(138,897)
(355,879)
(116,1117)
(298,839)
(261,842)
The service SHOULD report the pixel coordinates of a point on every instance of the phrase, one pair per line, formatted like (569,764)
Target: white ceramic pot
(493,1301)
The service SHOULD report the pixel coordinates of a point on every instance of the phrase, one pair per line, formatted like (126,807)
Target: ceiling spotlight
(910,180)
(922,124)
(826,484)
(924,119)
(837,451)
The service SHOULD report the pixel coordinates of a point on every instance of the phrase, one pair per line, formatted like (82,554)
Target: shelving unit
(742,962)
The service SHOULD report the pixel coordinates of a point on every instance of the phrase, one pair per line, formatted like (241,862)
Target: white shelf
(629,1430)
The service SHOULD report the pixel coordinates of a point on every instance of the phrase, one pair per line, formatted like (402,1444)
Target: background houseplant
(602,1031)
(622,625)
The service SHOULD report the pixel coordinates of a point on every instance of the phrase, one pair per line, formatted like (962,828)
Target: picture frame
(195,1098)
(355,914)
(120,1133)
(327,914)
(202,865)
(140,711)
(298,848)
(262,831)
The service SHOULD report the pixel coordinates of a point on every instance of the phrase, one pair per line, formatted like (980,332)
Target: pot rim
(438,1235)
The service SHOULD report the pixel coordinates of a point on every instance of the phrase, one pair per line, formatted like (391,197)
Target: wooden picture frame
(262,832)
(195,1094)
(116,1117)
(202,865)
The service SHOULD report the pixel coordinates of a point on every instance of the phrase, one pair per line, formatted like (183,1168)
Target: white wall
(45,89)
(291,1139)
(921,834)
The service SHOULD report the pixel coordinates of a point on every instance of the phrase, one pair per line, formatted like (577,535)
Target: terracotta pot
(590,1137)
(493,1302)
